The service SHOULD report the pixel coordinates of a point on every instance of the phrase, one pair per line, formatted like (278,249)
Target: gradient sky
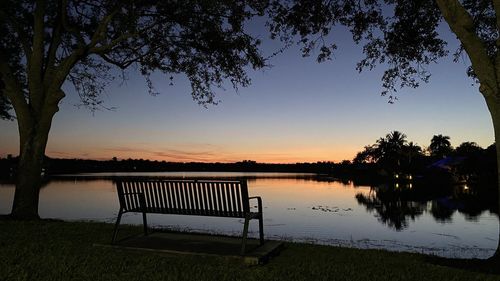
(296,111)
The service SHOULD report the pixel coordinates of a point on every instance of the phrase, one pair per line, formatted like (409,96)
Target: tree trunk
(33,140)
(496,126)
(494,107)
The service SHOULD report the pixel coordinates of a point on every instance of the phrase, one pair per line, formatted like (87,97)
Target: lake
(302,208)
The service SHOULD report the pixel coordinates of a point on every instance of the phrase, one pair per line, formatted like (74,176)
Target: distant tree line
(64,166)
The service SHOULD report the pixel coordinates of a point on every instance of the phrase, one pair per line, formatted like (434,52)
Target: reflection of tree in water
(441,211)
(396,206)
(391,207)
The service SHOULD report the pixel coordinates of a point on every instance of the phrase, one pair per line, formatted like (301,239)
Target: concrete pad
(204,245)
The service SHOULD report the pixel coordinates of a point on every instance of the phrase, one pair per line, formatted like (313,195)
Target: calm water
(297,207)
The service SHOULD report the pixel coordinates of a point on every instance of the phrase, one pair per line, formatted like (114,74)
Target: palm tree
(390,149)
(396,139)
(410,151)
(440,146)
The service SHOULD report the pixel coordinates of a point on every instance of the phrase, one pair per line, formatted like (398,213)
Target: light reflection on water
(296,207)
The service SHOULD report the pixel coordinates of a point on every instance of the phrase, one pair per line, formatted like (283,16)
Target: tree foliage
(402,36)
(468,148)
(83,40)
(207,40)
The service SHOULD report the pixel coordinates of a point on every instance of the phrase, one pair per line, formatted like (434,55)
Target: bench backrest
(190,197)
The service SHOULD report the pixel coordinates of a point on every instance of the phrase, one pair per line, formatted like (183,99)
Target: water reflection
(444,220)
(397,204)
(392,208)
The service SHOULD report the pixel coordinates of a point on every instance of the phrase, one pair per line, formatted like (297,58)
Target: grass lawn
(52,250)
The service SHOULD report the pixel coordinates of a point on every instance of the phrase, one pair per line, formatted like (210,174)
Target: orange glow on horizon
(306,155)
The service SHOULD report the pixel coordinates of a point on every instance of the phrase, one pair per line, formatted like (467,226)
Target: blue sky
(296,111)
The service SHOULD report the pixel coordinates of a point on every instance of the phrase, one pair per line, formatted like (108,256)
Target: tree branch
(35,66)
(120,64)
(102,49)
(64,68)
(461,23)
(54,46)
(13,90)
(66,25)
(100,31)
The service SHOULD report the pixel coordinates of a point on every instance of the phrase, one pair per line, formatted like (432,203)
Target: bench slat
(206,206)
(228,198)
(176,197)
(130,199)
(161,197)
(233,199)
(211,197)
(223,199)
(196,198)
(185,197)
(156,191)
(164,192)
(149,187)
(170,205)
(191,204)
(147,192)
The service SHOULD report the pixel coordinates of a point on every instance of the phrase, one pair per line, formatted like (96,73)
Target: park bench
(219,198)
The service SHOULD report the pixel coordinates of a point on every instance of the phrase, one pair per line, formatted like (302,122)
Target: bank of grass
(52,250)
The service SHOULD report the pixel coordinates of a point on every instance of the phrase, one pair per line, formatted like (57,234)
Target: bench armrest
(259,203)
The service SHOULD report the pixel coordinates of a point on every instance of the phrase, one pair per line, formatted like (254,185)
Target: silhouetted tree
(411,151)
(388,151)
(468,149)
(47,44)
(368,155)
(403,37)
(440,146)
(391,150)
(475,165)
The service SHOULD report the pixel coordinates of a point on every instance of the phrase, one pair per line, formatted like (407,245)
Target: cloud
(193,153)
(64,154)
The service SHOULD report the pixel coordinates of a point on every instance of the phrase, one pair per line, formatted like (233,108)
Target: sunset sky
(296,111)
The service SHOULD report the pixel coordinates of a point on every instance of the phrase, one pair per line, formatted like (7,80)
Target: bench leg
(261,229)
(116,226)
(145,223)
(142,203)
(245,234)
